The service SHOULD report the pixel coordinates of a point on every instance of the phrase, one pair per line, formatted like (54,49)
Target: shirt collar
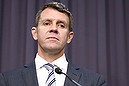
(39,61)
(60,62)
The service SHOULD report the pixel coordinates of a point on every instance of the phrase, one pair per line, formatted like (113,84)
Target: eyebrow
(42,20)
(58,21)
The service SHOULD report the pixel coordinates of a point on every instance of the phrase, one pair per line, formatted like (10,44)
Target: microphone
(59,71)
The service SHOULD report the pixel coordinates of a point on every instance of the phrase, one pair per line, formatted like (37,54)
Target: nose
(54,29)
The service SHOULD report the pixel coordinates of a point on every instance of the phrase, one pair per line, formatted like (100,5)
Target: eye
(46,23)
(61,25)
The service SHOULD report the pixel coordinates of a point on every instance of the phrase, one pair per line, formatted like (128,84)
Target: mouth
(53,38)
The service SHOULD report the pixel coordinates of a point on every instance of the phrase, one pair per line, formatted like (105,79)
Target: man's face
(52,32)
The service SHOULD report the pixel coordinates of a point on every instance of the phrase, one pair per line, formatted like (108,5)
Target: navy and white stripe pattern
(51,81)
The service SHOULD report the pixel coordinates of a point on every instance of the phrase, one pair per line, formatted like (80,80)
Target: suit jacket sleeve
(101,81)
(2,82)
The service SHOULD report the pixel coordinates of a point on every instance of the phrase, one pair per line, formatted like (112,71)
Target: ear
(70,37)
(34,33)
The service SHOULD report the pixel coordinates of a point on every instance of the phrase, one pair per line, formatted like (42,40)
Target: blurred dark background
(101,41)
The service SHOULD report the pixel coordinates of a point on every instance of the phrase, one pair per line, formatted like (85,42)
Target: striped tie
(51,81)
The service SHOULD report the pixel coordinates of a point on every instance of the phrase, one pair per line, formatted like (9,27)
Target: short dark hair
(57,6)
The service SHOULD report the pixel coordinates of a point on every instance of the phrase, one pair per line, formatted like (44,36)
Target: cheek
(41,32)
(40,35)
(65,37)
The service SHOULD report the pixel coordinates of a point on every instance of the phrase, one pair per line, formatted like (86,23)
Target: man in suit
(53,31)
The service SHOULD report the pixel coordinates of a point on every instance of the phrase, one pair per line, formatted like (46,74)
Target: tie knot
(49,66)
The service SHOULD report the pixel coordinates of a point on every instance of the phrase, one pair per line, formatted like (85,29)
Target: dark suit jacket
(26,76)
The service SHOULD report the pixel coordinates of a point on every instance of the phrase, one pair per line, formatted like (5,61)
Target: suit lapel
(73,74)
(29,75)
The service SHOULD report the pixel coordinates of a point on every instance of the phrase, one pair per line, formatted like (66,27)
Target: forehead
(50,13)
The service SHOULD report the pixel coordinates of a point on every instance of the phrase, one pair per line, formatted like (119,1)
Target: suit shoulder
(83,71)
(12,73)
(91,77)
(15,72)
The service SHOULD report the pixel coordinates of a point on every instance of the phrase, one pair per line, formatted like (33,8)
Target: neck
(50,57)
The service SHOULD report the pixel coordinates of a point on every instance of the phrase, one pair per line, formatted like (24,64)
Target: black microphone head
(58,70)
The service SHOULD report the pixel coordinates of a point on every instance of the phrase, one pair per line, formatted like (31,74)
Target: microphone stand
(59,71)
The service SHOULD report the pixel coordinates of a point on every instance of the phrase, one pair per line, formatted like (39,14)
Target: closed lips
(53,38)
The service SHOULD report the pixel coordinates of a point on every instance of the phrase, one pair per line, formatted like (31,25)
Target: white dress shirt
(42,72)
